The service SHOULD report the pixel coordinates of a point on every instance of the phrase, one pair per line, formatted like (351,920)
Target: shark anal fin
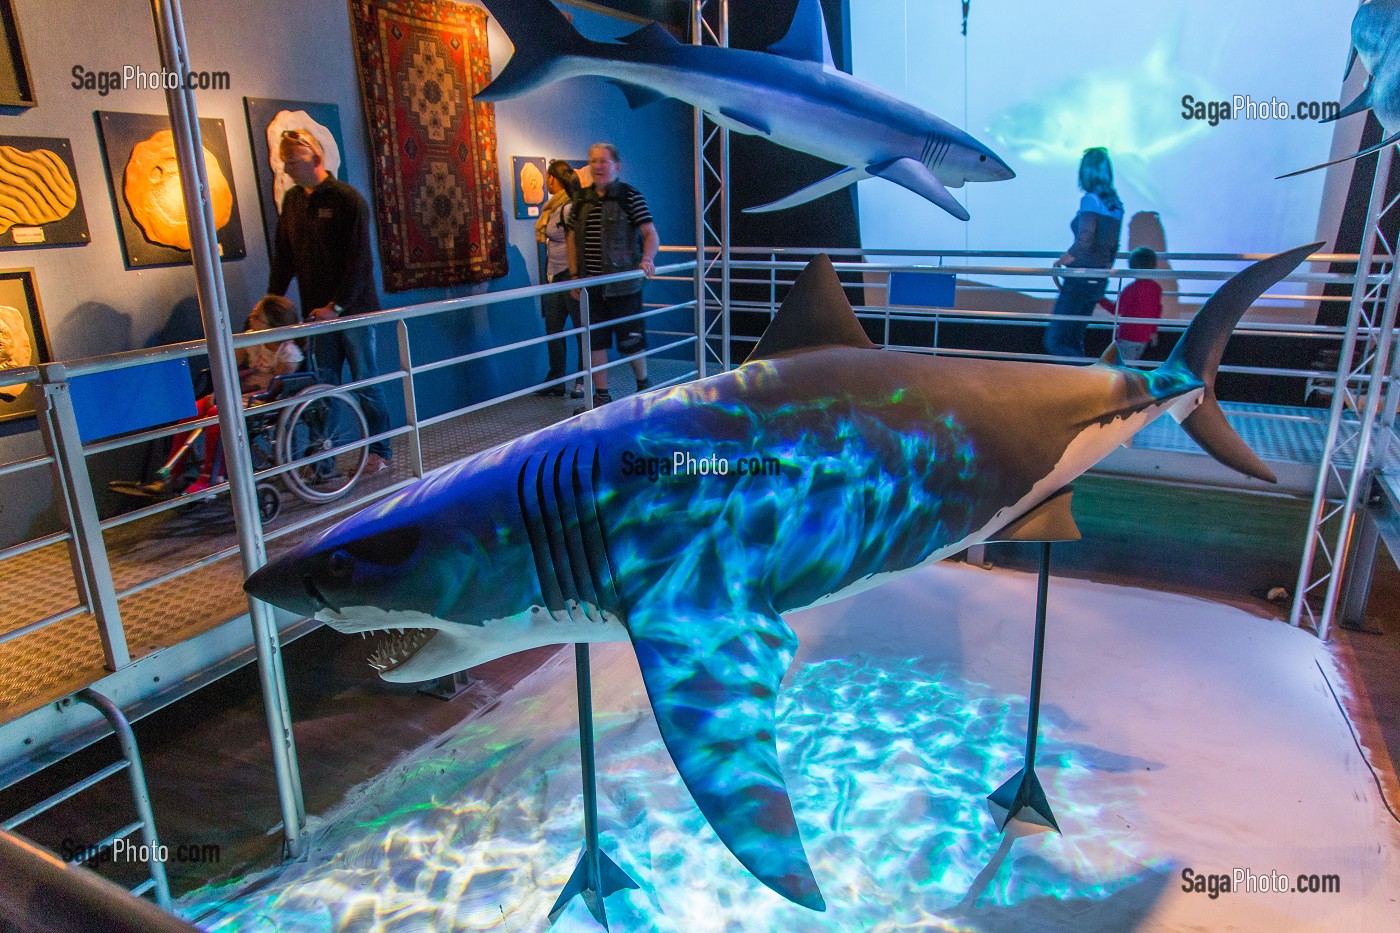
(815,313)
(1052,520)
(637,96)
(915,176)
(806,39)
(712,675)
(746,122)
(847,176)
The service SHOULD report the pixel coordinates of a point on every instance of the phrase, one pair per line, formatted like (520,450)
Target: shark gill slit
(602,534)
(558,550)
(539,547)
(571,531)
(589,534)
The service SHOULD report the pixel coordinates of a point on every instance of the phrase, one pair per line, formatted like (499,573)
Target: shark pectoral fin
(743,121)
(1388,141)
(914,175)
(713,683)
(847,176)
(806,39)
(1351,63)
(1362,102)
(1052,520)
(637,96)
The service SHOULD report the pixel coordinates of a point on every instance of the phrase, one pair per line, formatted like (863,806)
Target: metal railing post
(410,396)
(585,320)
(213,306)
(140,791)
(92,572)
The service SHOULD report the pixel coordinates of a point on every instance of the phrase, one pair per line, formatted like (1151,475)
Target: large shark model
(791,94)
(689,520)
(1375,41)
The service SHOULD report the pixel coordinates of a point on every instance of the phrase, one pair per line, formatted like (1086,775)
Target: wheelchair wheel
(323,419)
(269,501)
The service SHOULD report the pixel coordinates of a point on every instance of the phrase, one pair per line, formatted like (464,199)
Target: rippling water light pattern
(888,764)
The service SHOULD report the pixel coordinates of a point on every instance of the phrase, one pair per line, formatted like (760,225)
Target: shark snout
(993,167)
(290,584)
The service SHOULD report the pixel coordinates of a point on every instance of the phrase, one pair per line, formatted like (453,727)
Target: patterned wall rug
(437,186)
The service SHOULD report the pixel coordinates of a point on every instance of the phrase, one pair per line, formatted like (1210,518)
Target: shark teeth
(398,648)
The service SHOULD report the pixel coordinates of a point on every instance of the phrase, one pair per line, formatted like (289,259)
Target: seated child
(256,367)
(1141,299)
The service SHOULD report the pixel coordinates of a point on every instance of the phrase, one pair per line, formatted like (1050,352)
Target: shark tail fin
(542,35)
(1198,353)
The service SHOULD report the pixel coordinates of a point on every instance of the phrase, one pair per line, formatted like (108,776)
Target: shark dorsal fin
(814,314)
(652,35)
(1111,356)
(806,39)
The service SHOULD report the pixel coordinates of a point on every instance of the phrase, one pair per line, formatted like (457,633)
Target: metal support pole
(91,571)
(1023,793)
(585,321)
(724,238)
(595,876)
(410,397)
(139,789)
(213,306)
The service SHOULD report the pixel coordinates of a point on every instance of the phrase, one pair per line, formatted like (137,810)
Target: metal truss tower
(1336,563)
(709,25)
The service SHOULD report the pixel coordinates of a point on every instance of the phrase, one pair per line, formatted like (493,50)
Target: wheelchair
(322,419)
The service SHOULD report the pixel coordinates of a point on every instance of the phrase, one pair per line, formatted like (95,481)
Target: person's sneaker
(555,391)
(578,389)
(601,397)
(643,384)
(199,485)
(375,464)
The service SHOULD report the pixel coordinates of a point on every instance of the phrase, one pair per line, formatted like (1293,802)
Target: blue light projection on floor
(888,763)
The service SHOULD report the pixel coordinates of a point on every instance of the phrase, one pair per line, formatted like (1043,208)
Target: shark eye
(340,566)
(981,158)
(388,548)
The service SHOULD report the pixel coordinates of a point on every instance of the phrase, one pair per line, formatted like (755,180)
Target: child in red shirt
(1141,299)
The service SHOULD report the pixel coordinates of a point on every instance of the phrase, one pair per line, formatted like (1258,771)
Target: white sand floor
(1175,734)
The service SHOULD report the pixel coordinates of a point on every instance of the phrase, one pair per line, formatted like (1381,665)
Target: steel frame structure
(1363,405)
(709,25)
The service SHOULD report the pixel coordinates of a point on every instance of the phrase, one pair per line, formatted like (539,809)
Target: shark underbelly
(803,118)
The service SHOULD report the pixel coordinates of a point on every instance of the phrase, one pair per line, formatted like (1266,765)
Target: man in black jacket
(323,241)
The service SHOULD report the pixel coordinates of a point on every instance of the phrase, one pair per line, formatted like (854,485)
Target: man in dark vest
(611,230)
(323,241)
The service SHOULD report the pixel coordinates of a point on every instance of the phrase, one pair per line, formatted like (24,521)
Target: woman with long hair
(559,307)
(1096,229)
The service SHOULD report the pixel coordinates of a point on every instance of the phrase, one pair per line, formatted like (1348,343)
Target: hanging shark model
(791,94)
(688,520)
(1375,40)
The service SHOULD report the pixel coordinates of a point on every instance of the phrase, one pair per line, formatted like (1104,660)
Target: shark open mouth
(399,648)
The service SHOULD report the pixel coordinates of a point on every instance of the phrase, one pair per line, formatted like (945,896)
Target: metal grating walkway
(47,665)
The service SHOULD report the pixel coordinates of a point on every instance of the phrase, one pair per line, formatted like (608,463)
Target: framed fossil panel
(23,340)
(40,201)
(144,177)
